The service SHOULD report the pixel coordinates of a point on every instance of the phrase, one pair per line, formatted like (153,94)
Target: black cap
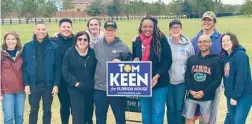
(110,24)
(175,22)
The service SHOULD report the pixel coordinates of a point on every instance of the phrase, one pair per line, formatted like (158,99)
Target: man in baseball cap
(110,24)
(208,22)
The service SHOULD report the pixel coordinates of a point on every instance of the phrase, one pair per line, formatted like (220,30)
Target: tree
(29,8)
(95,8)
(67,4)
(114,8)
(7,7)
(247,8)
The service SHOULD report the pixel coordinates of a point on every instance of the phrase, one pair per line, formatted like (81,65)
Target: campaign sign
(129,79)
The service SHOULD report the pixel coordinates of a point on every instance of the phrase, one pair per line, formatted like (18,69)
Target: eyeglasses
(175,28)
(203,42)
(82,39)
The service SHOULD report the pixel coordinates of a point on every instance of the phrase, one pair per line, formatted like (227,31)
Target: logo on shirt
(184,52)
(200,77)
(113,51)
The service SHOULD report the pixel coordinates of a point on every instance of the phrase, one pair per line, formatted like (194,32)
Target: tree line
(45,8)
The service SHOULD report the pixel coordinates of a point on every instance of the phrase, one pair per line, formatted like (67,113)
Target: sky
(223,1)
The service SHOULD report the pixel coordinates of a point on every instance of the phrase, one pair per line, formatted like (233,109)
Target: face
(11,42)
(110,33)
(40,31)
(227,44)
(65,29)
(204,43)
(82,42)
(175,30)
(147,27)
(94,26)
(207,23)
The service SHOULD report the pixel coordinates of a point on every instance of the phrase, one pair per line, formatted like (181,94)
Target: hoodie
(105,52)
(237,75)
(181,51)
(203,73)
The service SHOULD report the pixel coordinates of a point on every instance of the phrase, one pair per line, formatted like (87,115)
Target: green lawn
(128,29)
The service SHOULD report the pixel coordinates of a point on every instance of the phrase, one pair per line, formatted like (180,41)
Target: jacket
(11,73)
(52,63)
(158,67)
(80,69)
(237,74)
(181,51)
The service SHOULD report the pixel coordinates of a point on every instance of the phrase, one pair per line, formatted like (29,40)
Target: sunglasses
(82,39)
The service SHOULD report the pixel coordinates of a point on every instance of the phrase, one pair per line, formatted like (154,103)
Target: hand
(55,90)
(116,60)
(199,94)
(77,84)
(136,59)
(27,90)
(233,102)
(193,93)
(155,80)
(1,97)
(55,34)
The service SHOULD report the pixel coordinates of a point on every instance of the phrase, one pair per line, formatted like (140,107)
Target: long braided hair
(157,35)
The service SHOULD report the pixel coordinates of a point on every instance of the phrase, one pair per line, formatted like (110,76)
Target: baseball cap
(175,22)
(110,24)
(209,14)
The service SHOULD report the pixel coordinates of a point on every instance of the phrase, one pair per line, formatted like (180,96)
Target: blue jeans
(13,107)
(175,103)
(238,114)
(102,102)
(153,108)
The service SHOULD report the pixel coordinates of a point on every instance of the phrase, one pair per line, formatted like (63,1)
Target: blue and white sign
(129,79)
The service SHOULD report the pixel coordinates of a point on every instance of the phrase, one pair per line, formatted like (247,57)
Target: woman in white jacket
(182,49)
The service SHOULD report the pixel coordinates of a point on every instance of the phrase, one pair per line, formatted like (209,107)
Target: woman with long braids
(151,45)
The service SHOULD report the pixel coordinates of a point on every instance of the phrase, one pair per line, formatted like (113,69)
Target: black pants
(65,103)
(38,92)
(102,102)
(82,105)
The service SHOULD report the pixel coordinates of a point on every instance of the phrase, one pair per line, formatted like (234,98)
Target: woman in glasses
(78,71)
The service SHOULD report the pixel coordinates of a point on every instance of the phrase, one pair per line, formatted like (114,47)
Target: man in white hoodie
(182,49)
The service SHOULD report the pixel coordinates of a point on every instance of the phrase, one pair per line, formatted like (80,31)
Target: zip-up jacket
(80,69)
(11,73)
(52,66)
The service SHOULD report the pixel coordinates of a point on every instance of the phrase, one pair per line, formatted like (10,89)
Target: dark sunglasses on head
(84,39)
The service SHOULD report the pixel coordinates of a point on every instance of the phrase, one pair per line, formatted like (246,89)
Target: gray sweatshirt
(107,52)
(180,53)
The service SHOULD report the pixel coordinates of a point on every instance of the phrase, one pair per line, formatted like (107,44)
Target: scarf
(146,41)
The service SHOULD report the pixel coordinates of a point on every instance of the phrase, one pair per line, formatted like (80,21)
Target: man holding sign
(108,49)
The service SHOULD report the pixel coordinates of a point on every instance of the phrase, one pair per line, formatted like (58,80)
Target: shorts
(205,109)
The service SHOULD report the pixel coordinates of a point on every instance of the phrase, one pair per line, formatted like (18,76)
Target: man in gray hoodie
(109,48)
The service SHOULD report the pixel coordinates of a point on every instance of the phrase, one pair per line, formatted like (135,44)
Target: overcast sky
(223,1)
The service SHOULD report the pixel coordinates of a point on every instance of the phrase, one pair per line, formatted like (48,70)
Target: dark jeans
(89,107)
(239,113)
(77,102)
(65,102)
(175,103)
(38,92)
(82,105)
(102,103)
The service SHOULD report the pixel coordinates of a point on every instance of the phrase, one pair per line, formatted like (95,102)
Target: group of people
(186,74)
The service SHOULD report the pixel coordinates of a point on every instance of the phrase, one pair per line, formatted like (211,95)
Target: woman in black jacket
(152,45)
(78,70)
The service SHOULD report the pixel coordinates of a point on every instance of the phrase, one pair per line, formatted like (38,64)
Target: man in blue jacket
(41,73)
(208,22)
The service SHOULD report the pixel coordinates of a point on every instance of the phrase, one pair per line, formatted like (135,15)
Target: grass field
(126,31)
